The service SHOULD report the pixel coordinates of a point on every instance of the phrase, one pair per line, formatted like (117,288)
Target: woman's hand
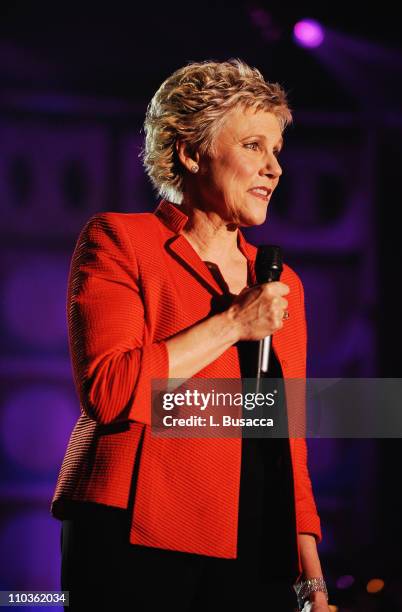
(316,606)
(257,311)
(312,568)
(320,607)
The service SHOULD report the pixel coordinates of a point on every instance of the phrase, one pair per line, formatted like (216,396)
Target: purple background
(75,84)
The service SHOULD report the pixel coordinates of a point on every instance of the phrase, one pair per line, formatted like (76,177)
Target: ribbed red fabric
(134,282)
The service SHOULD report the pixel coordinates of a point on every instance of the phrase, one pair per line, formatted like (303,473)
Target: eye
(277,152)
(253,146)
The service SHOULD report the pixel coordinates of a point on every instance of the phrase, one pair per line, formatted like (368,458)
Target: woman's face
(237,179)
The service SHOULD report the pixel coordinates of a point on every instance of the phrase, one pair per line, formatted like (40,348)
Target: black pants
(100,568)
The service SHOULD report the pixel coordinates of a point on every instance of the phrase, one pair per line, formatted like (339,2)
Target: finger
(276,288)
(278,303)
(283,289)
(276,317)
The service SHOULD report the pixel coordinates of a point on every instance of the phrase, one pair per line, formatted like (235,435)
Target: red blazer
(134,282)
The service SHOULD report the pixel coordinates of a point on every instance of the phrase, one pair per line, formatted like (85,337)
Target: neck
(211,236)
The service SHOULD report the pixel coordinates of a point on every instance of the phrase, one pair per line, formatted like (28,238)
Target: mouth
(262,193)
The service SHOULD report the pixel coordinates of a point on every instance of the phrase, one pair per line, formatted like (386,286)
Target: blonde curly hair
(191,105)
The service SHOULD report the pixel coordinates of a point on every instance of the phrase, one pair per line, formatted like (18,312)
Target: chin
(255,219)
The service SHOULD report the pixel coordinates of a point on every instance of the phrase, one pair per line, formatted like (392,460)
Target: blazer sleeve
(308,520)
(112,366)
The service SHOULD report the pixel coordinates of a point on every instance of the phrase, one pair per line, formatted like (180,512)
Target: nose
(272,167)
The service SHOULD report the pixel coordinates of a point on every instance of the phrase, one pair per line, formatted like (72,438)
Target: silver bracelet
(306,587)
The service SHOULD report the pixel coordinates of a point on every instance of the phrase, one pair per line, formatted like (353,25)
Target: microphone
(268,268)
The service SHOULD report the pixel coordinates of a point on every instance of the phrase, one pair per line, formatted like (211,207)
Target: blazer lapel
(250,252)
(180,248)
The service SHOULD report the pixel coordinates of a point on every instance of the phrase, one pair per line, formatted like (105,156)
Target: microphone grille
(269,263)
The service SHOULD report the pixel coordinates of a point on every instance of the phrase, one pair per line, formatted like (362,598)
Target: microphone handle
(268,269)
(263,354)
(264,350)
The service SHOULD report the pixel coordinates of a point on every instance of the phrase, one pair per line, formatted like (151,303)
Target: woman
(189,523)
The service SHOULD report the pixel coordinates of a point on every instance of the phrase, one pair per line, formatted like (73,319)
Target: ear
(188,158)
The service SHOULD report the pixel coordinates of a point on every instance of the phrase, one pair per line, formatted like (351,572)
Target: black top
(267,536)
(267,527)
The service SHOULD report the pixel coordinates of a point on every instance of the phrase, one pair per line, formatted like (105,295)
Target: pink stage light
(308,33)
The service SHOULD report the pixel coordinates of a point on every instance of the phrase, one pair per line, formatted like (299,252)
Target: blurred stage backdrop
(74,87)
